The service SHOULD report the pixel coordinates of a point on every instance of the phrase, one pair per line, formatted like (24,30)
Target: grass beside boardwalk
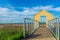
(11,34)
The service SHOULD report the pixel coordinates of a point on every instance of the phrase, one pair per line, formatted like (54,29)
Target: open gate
(53,25)
(29,27)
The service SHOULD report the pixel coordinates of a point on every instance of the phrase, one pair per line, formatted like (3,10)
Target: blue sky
(17,10)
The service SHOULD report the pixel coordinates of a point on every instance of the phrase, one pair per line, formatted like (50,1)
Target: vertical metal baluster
(24,29)
(58,28)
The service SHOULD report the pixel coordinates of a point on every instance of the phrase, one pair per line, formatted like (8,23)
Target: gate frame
(24,26)
(57,28)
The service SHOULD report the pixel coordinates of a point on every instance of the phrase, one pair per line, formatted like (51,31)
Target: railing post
(58,28)
(24,29)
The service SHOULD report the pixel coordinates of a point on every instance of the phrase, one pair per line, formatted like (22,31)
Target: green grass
(11,34)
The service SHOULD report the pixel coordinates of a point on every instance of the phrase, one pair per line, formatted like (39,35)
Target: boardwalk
(41,34)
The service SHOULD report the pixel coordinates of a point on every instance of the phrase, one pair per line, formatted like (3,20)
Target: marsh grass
(11,34)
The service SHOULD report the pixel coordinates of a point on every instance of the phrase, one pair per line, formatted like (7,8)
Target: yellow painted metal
(48,15)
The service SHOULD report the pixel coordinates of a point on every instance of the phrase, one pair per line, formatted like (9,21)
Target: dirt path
(41,34)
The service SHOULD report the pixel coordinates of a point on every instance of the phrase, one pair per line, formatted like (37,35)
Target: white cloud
(42,7)
(49,7)
(8,12)
(8,15)
(46,7)
(26,11)
(56,9)
(4,11)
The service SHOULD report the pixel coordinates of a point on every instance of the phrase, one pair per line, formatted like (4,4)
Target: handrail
(54,19)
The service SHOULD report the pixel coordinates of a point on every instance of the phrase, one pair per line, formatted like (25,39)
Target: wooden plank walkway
(41,34)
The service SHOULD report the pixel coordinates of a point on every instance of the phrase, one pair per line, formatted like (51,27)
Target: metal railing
(53,25)
(29,26)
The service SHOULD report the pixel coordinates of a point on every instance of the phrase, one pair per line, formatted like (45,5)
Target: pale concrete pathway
(41,34)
